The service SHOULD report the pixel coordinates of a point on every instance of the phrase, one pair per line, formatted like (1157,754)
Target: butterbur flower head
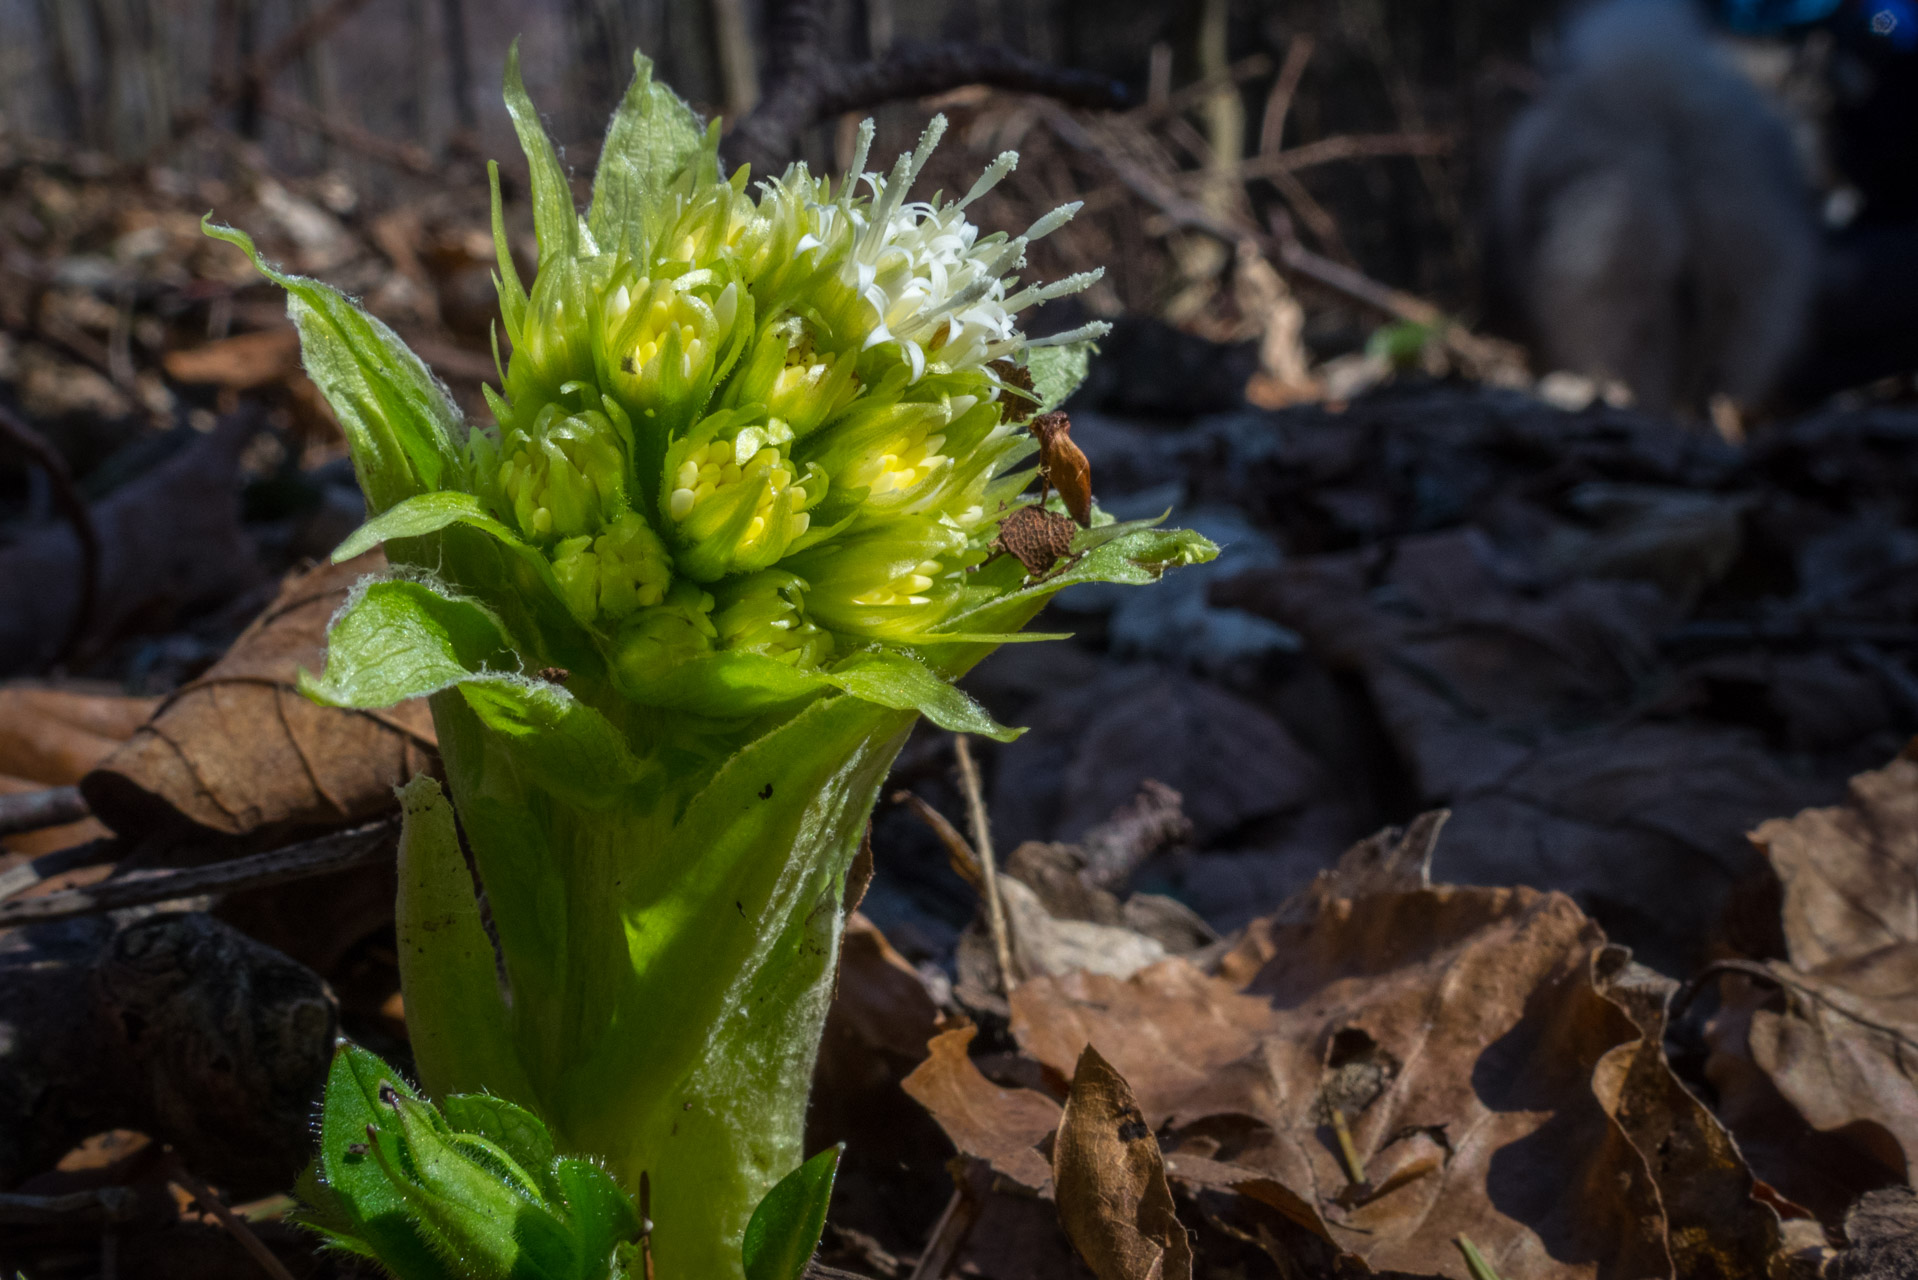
(764,613)
(792,386)
(564,476)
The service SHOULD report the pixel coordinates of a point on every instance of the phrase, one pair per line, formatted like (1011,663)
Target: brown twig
(302,115)
(329,853)
(950,1232)
(37,810)
(958,852)
(1191,95)
(74,507)
(16,880)
(988,872)
(258,72)
(210,1200)
(1351,146)
(1278,103)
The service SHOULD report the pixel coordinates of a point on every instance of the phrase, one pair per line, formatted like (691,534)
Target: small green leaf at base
(786,1226)
(470,1190)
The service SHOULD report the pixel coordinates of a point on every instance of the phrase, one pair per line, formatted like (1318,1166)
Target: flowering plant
(730,533)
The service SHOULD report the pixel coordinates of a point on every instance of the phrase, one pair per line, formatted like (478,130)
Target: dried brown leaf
(1815,1058)
(1465,1018)
(240,748)
(1113,1198)
(241,362)
(1849,872)
(50,737)
(1000,1126)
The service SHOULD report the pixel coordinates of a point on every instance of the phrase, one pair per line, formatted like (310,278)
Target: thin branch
(982,845)
(335,852)
(38,810)
(805,86)
(1352,146)
(304,115)
(950,1232)
(74,507)
(255,75)
(16,880)
(1278,103)
(209,1200)
(1188,96)
(958,852)
(1180,211)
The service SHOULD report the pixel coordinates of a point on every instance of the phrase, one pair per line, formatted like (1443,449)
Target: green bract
(677,606)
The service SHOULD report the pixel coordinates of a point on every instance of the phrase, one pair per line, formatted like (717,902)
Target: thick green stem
(669,956)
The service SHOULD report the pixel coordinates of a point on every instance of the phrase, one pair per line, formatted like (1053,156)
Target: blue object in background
(1766,17)
(1893,21)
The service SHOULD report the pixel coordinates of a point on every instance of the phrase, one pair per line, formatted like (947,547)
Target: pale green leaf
(400,639)
(653,137)
(554,219)
(419,515)
(1058,371)
(405,432)
(896,680)
(456,1016)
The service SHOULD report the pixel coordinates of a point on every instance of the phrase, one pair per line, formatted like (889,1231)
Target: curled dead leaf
(241,749)
(50,737)
(1815,1056)
(1113,1198)
(1000,1126)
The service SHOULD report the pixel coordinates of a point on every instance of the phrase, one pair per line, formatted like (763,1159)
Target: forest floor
(1508,846)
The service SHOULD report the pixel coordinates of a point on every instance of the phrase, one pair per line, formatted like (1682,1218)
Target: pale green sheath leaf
(458,1021)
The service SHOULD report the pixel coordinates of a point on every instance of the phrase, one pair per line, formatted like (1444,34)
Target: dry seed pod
(1063,466)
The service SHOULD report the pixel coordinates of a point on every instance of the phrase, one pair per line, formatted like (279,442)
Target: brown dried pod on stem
(1063,466)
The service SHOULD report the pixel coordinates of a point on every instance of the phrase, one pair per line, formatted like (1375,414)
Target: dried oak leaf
(1000,1126)
(1815,1057)
(240,749)
(1114,1201)
(50,737)
(1456,1029)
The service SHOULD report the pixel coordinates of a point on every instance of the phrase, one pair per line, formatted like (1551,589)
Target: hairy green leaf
(653,137)
(555,220)
(786,1226)
(1058,371)
(400,639)
(405,432)
(896,680)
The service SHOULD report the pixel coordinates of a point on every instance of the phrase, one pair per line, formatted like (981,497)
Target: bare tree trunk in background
(316,79)
(235,40)
(738,67)
(413,106)
(599,51)
(136,76)
(459,68)
(71,67)
(879,27)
